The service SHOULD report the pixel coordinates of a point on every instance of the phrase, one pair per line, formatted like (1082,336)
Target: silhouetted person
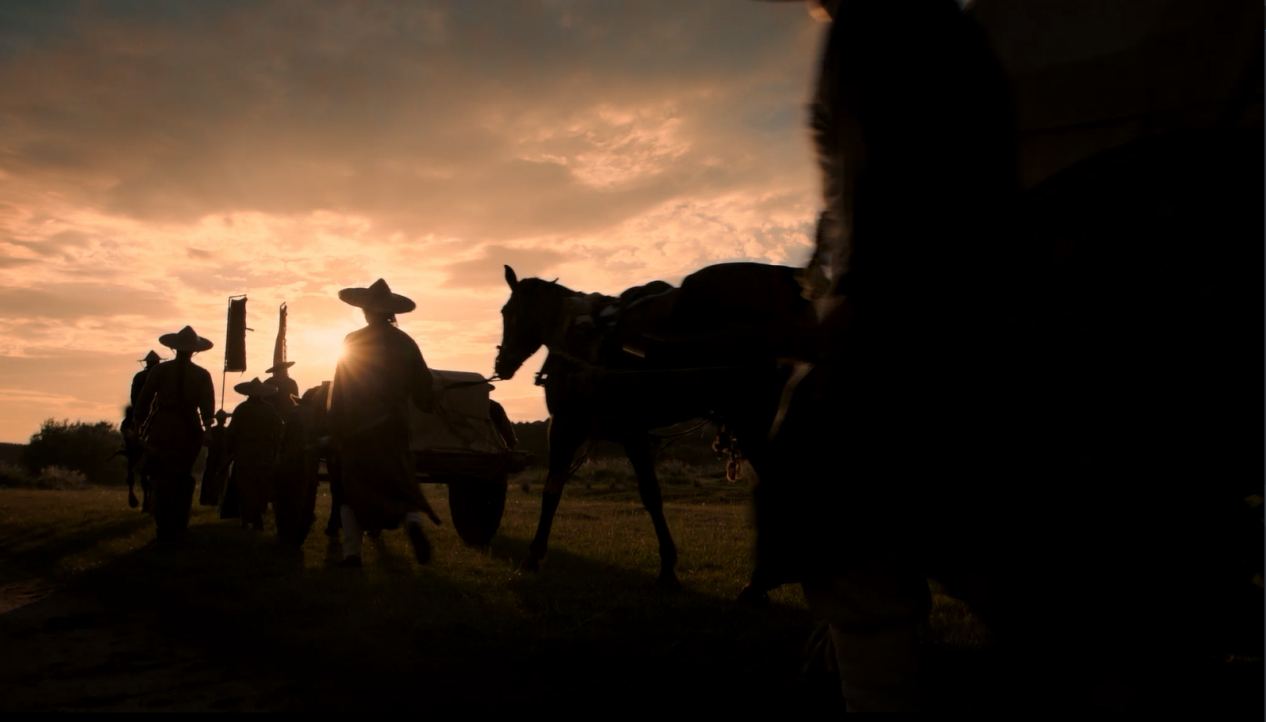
(216,469)
(910,126)
(380,373)
(252,440)
(179,399)
(132,429)
(502,424)
(138,381)
(952,394)
(295,480)
(287,387)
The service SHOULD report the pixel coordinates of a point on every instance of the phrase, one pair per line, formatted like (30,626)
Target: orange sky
(158,158)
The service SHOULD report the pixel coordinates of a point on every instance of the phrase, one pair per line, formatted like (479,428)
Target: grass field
(95,617)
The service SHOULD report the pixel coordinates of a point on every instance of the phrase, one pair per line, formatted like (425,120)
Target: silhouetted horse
(718,336)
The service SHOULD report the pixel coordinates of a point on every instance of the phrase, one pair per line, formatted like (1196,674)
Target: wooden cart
(459,445)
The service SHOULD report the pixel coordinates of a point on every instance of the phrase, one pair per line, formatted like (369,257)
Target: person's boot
(421,545)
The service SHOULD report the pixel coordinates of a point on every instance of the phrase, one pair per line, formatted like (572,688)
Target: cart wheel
(476,506)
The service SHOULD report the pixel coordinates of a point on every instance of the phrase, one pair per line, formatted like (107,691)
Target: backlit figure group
(380,374)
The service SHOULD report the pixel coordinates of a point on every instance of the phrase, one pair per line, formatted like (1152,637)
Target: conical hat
(282,365)
(185,340)
(255,387)
(151,356)
(377,297)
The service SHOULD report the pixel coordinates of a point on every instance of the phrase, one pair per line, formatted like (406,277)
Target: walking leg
(183,504)
(336,496)
(147,486)
(417,536)
(642,456)
(563,443)
(352,536)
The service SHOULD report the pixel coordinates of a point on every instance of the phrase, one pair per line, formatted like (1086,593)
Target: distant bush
(76,447)
(14,476)
(51,477)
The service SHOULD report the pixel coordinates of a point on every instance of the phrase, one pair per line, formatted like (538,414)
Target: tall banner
(235,342)
(279,350)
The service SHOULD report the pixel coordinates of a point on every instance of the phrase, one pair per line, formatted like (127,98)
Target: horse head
(529,320)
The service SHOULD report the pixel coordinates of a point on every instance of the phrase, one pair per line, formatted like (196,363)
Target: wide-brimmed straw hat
(151,356)
(186,339)
(255,387)
(278,367)
(377,297)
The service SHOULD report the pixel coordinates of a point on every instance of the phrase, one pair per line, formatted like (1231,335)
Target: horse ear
(554,281)
(511,279)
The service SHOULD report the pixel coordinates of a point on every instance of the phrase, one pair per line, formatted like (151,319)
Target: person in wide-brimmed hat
(251,443)
(287,388)
(131,436)
(380,373)
(178,398)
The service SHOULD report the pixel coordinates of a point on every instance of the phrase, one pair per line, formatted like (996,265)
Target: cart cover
(461,422)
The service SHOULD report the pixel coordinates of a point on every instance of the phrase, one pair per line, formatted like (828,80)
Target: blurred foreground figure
(1038,283)
(252,442)
(132,429)
(379,374)
(181,398)
(216,469)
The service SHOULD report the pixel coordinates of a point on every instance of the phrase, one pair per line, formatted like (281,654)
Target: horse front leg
(642,456)
(146,488)
(563,443)
(132,502)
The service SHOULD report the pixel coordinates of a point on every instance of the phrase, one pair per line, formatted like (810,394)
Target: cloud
(157,158)
(488,269)
(70,302)
(12,262)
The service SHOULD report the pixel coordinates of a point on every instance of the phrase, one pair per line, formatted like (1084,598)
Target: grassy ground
(95,617)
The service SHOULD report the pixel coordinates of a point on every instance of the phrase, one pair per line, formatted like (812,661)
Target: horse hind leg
(643,459)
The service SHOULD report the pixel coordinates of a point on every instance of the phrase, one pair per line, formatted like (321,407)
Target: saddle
(590,318)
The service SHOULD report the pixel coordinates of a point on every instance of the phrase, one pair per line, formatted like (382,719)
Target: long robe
(380,373)
(295,480)
(179,399)
(216,470)
(253,438)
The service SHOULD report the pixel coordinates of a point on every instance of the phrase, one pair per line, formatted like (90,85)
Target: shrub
(14,476)
(82,447)
(52,477)
(56,477)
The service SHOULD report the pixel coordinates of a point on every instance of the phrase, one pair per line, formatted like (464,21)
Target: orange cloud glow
(152,164)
